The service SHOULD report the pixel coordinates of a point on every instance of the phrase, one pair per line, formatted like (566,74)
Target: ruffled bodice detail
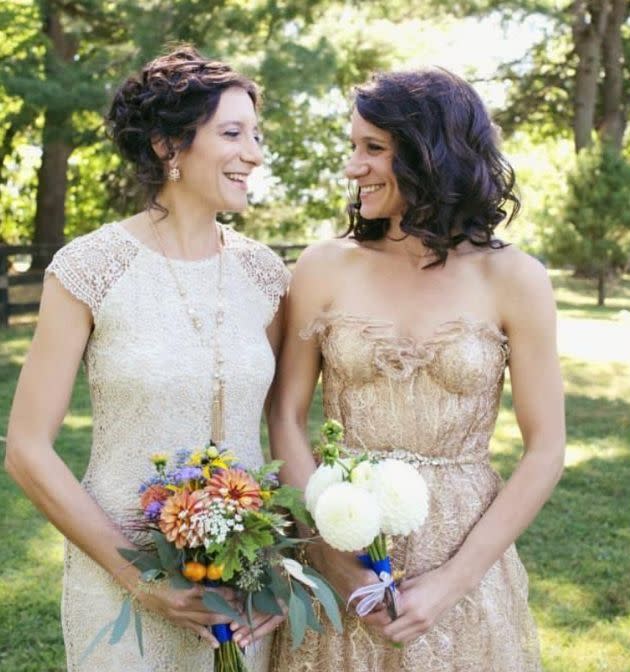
(436,397)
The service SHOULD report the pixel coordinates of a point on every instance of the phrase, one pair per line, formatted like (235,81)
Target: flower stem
(377,550)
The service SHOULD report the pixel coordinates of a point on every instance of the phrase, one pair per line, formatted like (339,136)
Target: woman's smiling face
(224,152)
(373,152)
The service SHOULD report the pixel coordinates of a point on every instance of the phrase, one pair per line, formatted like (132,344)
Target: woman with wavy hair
(412,317)
(173,315)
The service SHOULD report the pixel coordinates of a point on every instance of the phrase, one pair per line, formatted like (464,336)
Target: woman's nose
(355,169)
(252,153)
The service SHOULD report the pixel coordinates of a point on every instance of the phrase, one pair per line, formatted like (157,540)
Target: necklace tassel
(218,402)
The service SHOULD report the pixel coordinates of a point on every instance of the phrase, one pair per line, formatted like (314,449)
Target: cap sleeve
(264,267)
(89,265)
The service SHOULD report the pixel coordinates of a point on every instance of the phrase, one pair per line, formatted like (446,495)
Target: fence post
(4,289)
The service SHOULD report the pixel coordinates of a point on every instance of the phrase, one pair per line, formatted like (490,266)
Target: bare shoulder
(520,283)
(321,267)
(328,253)
(512,270)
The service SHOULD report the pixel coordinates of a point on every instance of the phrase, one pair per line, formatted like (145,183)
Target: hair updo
(171,97)
(454,180)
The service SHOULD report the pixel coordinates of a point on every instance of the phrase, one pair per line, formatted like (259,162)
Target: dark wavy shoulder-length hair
(454,180)
(168,100)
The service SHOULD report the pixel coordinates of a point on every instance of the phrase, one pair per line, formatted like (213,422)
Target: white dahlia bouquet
(357,502)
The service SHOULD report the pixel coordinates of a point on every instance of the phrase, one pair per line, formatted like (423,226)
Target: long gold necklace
(217,429)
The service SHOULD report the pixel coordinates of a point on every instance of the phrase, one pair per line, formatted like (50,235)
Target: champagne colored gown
(433,404)
(150,380)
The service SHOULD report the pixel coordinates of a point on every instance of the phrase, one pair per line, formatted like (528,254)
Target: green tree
(591,220)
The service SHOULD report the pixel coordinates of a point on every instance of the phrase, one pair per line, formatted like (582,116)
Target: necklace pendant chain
(217,408)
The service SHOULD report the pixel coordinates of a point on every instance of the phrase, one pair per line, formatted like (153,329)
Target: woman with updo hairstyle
(412,318)
(177,319)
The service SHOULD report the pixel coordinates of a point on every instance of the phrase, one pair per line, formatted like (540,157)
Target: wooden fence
(11,276)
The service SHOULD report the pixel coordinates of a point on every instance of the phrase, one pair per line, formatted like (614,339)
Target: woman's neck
(189,229)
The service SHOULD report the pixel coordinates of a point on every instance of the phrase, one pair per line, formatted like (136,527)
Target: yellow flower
(266,495)
(159,459)
(219,464)
(211,451)
(195,458)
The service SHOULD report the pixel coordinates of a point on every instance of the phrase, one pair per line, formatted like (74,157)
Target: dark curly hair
(171,97)
(454,180)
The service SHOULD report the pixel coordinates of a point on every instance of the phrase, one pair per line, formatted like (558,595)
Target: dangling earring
(174,174)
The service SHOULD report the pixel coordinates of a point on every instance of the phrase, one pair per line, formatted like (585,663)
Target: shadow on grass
(576,552)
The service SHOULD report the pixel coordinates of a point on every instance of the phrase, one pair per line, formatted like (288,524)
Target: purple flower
(153,511)
(184,474)
(155,480)
(272,480)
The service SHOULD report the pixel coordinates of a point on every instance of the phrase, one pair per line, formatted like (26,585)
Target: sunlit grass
(576,552)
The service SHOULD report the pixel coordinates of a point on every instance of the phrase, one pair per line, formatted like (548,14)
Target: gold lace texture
(434,404)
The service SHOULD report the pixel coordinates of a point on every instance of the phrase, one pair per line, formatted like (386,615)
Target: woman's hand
(421,603)
(343,570)
(185,607)
(262,624)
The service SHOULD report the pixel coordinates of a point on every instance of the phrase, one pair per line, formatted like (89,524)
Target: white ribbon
(374,594)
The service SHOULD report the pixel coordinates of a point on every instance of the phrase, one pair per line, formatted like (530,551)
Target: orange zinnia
(237,486)
(154,493)
(176,515)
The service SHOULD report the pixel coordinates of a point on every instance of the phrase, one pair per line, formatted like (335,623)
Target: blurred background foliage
(565,86)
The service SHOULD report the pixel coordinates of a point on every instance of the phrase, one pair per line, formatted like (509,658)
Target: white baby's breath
(347,517)
(401,494)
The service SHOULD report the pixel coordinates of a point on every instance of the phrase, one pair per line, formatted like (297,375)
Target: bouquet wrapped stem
(228,656)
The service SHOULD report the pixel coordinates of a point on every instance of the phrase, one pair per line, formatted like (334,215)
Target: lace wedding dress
(150,382)
(433,404)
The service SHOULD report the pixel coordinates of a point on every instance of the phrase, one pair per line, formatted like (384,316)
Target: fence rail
(10,277)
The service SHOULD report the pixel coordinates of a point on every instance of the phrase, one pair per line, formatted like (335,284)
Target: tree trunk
(589,25)
(51,192)
(613,124)
(56,150)
(601,286)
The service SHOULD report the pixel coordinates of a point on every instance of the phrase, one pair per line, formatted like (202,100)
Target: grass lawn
(577,552)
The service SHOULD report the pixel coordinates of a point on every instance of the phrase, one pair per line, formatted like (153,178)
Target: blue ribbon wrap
(222,632)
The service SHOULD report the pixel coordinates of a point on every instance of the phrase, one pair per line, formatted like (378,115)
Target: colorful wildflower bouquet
(213,522)
(357,502)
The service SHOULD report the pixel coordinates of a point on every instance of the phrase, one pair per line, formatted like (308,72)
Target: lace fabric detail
(434,404)
(90,265)
(150,380)
(262,265)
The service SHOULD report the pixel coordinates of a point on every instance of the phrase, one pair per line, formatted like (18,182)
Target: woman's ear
(164,150)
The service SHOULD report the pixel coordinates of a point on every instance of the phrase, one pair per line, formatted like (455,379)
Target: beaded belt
(417,460)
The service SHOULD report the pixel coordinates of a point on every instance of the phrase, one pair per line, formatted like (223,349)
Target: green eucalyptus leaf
(122,622)
(265,602)
(279,585)
(328,598)
(180,582)
(140,559)
(311,618)
(169,556)
(138,624)
(297,620)
(215,602)
(151,574)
